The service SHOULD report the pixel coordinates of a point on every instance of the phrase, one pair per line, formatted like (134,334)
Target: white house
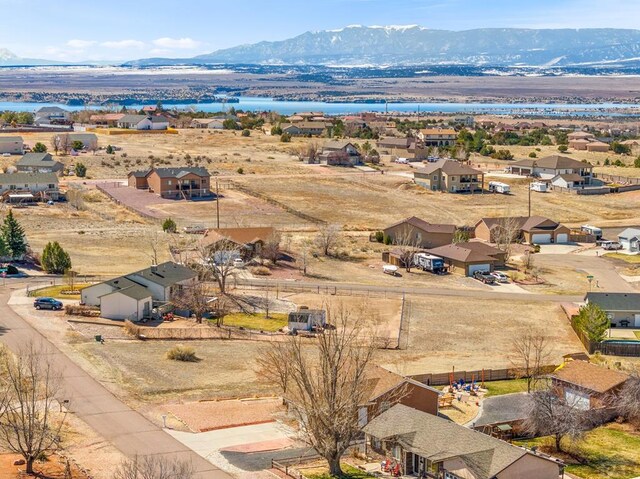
(38,163)
(25,186)
(550,167)
(132,296)
(568,180)
(630,239)
(143,122)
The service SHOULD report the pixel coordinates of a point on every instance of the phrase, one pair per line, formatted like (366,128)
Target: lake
(290,107)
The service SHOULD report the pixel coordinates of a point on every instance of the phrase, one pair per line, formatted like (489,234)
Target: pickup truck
(611,245)
(485,277)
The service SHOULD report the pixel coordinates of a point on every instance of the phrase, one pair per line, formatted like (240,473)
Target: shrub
(182,353)
(81,310)
(55,260)
(379,236)
(563,148)
(261,271)
(636,162)
(131,329)
(607,162)
(387,240)
(169,226)
(533,155)
(81,170)
(285,138)
(11,269)
(240,171)
(246,132)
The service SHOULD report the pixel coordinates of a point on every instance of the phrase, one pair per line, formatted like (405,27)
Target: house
(466,121)
(210,123)
(470,256)
(580,135)
(249,241)
(12,145)
(385,388)
(89,140)
(579,144)
(133,296)
(551,166)
(107,119)
(438,136)
(420,233)
(585,385)
(52,115)
(340,153)
(305,128)
(422,443)
(150,109)
(38,163)
(307,319)
(173,183)
(531,230)
(630,239)
(570,181)
(597,146)
(623,309)
(143,122)
(449,176)
(407,148)
(29,186)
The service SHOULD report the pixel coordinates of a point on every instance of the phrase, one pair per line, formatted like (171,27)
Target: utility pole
(217,205)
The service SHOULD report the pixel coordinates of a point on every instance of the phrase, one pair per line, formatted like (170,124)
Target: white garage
(562,238)
(541,238)
(478,267)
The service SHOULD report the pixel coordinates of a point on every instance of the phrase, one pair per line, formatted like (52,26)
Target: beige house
(420,233)
(449,176)
(438,136)
(12,145)
(421,443)
(173,183)
(531,230)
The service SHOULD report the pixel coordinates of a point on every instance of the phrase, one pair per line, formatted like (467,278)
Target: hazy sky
(78,30)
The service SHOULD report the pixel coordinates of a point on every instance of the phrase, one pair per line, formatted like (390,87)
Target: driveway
(129,431)
(502,409)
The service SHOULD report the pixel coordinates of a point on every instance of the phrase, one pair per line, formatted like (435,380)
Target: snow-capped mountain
(413,45)
(8,58)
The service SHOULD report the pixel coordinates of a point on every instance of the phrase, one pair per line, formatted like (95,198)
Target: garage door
(541,238)
(562,238)
(478,267)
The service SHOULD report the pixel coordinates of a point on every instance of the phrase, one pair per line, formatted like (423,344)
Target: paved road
(492,293)
(129,431)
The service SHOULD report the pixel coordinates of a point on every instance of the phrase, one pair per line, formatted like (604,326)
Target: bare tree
(506,233)
(65,143)
(30,421)
(627,401)
(307,151)
(196,299)
(324,386)
(154,467)
(531,351)
(92,147)
(217,261)
(55,143)
(407,242)
(550,415)
(154,244)
(328,237)
(271,248)
(75,197)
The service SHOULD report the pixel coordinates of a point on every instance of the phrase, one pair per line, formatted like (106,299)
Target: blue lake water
(291,107)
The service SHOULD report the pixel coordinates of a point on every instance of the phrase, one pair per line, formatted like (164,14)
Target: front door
(147,310)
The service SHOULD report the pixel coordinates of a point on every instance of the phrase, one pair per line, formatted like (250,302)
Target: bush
(81,170)
(533,155)
(11,269)
(81,310)
(240,171)
(387,240)
(132,329)
(285,138)
(563,148)
(379,236)
(182,353)
(261,271)
(246,132)
(169,226)
(55,260)
(636,162)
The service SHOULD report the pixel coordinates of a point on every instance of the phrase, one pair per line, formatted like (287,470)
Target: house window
(12,187)
(453,178)
(51,186)
(435,177)
(169,182)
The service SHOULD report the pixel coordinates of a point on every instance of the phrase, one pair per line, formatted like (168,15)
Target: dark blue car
(47,303)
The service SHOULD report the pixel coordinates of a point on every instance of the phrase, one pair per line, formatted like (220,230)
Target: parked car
(485,276)
(500,277)
(611,245)
(238,263)
(47,303)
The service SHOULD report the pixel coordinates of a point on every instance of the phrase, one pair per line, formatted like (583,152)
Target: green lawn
(627,258)
(56,291)
(610,451)
(637,333)
(350,472)
(509,386)
(275,321)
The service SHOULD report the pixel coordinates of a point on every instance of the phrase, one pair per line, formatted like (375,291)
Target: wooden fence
(478,375)
(212,332)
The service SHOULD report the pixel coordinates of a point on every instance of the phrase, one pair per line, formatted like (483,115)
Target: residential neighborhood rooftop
(589,376)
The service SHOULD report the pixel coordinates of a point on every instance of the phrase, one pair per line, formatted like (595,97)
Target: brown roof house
(585,385)
(531,230)
(419,233)
(549,167)
(422,443)
(340,153)
(386,388)
(450,176)
(249,241)
(470,257)
(173,183)
(438,136)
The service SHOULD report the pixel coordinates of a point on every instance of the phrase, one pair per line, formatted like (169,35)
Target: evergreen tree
(81,170)
(593,321)
(13,236)
(39,148)
(55,260)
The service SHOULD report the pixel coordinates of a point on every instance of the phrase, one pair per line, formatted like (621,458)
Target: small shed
(307,319)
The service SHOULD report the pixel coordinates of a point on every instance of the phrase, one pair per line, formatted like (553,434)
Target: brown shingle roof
(450,167)
(463,254)
(241,236)
(589,376)
(438,131)
(425,226)
(558,161)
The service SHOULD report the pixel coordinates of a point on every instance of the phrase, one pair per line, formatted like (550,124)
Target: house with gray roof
(88,140)
(143,122)
(27,187)
(12,145)
(551,167)
(630,240)
(420,443)
(449,176)
(623,309)
(52,115)
(38,163)
(134,295)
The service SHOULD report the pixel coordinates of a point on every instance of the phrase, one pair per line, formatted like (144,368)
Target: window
(51,186)
(453,178)
(169,182)
(435,177)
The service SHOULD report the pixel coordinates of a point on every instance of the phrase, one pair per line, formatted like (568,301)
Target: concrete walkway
(129,431)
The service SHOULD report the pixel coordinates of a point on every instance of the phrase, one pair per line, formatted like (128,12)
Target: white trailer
(592,230)
(429,262)
(499,187)
(538,186)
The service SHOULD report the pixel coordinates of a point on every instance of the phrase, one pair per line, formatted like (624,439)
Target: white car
(6,154)
(500,277)
(238,263)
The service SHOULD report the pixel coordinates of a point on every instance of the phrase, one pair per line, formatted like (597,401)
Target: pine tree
(13,236)
(55,260)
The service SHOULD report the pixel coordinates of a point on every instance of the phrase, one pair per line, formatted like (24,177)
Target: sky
(99,30)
